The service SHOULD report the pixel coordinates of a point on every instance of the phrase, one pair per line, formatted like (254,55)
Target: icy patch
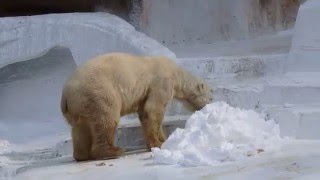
(219,133)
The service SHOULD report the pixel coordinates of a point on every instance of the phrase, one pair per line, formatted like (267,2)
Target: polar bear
(112,85)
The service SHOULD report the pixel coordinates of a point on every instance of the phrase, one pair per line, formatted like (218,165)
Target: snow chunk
(219,133)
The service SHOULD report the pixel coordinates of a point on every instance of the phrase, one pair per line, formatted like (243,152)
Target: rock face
(170,21)
(215,20)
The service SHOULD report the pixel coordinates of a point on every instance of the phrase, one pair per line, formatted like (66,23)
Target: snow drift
(219,133)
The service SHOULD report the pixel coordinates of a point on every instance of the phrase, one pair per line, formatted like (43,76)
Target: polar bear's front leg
(151,116)
(151,124)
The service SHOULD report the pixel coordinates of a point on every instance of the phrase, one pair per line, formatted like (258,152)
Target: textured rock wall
(206,21)
(175,22)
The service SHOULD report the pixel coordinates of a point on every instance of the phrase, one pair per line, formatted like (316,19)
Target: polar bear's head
(197,96)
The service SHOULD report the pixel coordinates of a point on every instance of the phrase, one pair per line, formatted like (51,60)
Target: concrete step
(294,88)
(299,121)
(236,66)
(129,136)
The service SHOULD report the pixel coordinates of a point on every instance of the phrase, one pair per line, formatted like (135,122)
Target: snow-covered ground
(295,160)
(264,74)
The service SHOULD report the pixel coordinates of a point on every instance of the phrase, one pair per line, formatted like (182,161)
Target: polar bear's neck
(184,83)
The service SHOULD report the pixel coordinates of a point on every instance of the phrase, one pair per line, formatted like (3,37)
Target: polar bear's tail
(71,119)
(64,108)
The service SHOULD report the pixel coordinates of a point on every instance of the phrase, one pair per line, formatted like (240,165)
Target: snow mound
(219,133)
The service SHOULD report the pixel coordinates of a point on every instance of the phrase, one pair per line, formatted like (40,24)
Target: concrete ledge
(293,88)
(240,67)
(130,136)
(297,121)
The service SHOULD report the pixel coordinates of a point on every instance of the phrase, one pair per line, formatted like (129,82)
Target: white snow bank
(305,49)
(85,34)
(219,133)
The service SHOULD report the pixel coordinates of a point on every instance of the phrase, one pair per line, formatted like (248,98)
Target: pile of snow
(219,133)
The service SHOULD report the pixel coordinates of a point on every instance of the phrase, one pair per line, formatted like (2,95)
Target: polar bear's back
(126,68)
(117,75)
